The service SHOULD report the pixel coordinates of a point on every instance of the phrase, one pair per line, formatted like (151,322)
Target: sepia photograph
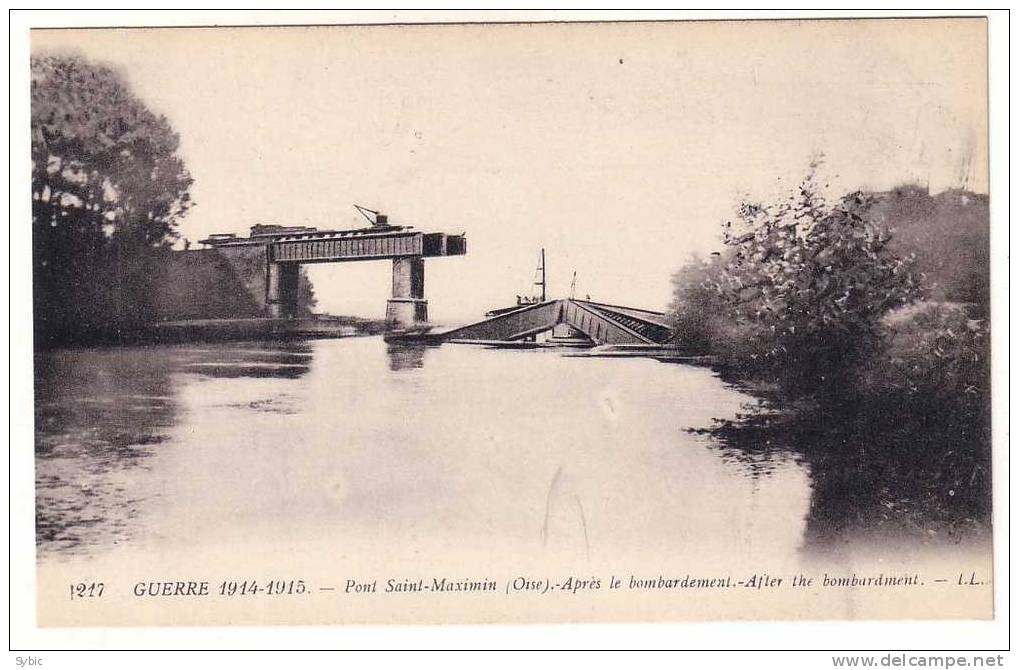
(511,322)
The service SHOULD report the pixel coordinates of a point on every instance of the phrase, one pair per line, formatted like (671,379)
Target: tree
(306,300)
(699,311)
(950,235)
(884,393)
(813,282)
(107,188)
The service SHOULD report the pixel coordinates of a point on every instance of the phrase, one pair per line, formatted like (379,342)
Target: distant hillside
(950,235)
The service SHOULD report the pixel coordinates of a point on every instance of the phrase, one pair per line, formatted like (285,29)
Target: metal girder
(337,248)
(300,245)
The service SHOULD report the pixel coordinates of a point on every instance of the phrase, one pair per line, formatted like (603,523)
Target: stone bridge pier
(407,308)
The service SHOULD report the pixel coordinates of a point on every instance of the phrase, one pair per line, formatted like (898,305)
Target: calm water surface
(176,446)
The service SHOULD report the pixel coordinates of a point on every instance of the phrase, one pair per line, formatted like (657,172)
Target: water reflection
(530,451)
(283,360)
(100,414)
(884,478)
(175,446)
(405,356)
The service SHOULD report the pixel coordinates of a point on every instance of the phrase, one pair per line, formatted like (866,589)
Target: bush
(931,350)
(698,311)
(799,293)
(885,395)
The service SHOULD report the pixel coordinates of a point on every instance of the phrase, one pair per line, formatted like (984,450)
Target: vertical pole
(543,274)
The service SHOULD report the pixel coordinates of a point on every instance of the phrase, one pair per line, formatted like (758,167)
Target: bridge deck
(331,246)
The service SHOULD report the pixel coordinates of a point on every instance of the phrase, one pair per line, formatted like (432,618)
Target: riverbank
(225,330)
(204,330)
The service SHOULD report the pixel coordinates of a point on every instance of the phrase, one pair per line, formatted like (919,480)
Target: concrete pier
(408,307)
(281,289)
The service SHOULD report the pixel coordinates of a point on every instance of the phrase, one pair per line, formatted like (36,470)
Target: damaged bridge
(598,322)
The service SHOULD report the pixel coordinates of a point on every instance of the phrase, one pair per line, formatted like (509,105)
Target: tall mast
(543,274)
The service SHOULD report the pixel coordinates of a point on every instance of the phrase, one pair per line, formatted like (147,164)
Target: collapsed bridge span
(599,322)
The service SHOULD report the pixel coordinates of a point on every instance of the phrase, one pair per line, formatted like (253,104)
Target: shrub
(809,283)
(931,350)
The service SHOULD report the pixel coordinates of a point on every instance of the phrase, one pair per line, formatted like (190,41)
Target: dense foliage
(948,236)
(107,188)
(812,282)
(805,293)
(870,348)
(108,191)
(100,156)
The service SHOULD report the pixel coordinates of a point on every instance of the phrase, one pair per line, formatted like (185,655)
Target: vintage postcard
(511,323)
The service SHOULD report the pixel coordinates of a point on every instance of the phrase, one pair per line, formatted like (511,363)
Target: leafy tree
(107,186)
(934,350)
(812,282)
(871,353)
(950,235)
(306,300)
(700,312)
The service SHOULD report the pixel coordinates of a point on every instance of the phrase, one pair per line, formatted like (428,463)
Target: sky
(620,148)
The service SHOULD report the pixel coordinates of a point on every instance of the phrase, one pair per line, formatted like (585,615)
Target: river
(354,448)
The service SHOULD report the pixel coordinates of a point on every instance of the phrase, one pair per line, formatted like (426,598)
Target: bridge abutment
(408,307)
